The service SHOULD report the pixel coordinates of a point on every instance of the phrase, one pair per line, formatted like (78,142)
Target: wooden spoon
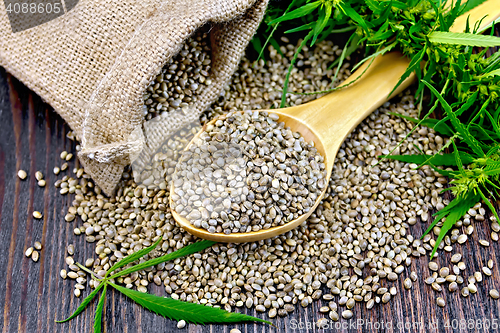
(328,120)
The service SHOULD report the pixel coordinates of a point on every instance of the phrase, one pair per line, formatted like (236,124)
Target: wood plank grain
(33,295)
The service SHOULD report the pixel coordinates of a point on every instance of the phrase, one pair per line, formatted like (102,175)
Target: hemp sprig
(166,307)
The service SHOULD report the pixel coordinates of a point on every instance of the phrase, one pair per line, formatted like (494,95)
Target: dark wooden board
(33,296)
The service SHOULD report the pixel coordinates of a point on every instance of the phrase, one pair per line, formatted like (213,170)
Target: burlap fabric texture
(93,64)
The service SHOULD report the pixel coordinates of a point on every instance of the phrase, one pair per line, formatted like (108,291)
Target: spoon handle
(335,115)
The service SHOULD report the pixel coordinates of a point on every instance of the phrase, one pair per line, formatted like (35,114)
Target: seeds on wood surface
(490,264)
(63,273)
(484,242)
(70,261)
(486,271)
(444,272)
(451,278)
(29,252)
(181,324)
(465,291)
(22,174)
(334,315)
(462,238)
(56,170)
(69,217)
(234,330)
(77,292)
(407,283)
(37,214)
(41,183)
(452,287)
(246,182)
(436,287)
(461,265)
(430,280)
(70,249)
(322,323)
(38,175)
(79,286)
(64,167)
(35,255)
(440,302)
(433,266)
(68,157)
(324,309)
(72,275)
(347,314)
(472,288)
(89,262)
(37,245)
(353,219)
(63,154)
(413,276)
(494,293)
(478,276)
(456,258)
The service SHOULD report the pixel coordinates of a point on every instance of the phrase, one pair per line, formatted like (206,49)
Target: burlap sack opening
(93,64)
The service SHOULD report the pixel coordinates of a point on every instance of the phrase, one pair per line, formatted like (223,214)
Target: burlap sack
(93,64)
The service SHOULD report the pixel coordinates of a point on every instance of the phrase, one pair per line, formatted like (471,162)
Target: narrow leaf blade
(83,305)
(463,38)
(98,311)
(178,310)
(464,132)
(299,12)
(441,160)
(186,250)
(133,257)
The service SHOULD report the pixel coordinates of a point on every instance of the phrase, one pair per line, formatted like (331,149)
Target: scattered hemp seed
(56,170)
(440,302)
(484,242)
(38,175)
(68,157)
(35,255)
(63,155)
(29,252)
(63,273)
(41,183)
(181,324)
(494,294)
(347,314)
(234,330)
(37,215)
(38,245)
(22,174)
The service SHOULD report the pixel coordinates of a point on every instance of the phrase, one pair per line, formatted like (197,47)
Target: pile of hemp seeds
(352,249)
(247,172)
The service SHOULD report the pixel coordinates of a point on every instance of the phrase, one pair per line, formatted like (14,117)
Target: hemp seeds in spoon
(247,172)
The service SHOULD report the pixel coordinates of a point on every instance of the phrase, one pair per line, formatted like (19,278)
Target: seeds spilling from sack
(247,172)
(182,78)
(351,250)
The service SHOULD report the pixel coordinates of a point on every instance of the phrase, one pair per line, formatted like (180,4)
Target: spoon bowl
(327,121)
(308,134)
